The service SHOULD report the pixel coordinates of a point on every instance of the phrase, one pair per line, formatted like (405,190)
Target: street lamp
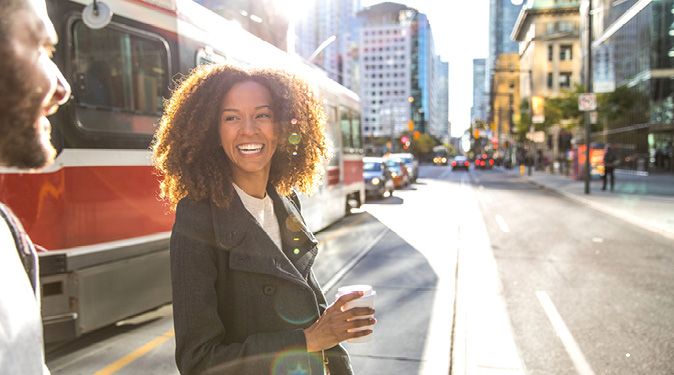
(588,77)
(321,47)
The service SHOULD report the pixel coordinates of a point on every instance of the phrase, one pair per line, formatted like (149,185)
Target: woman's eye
(264,115)
(229,118)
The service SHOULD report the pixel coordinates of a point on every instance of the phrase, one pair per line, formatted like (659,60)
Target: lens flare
(296,362)
(294,139)
(291,312)
(293,224)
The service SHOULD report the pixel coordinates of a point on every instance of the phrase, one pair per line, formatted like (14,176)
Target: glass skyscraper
(633,60)
(502,17)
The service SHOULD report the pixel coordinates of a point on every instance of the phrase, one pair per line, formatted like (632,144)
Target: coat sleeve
(200,334)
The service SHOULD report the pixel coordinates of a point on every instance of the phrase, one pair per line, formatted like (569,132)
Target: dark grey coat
(240,304)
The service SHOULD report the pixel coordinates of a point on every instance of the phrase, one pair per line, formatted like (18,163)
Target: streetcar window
(120,72)
(345,126)
(333,135)
(356,138)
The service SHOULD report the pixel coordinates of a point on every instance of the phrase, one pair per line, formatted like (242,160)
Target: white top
(263,212)
(20,322)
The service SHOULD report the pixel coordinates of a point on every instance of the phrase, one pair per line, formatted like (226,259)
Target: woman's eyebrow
(230,110)
(263,106)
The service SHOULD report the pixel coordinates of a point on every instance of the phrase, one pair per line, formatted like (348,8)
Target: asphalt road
(543,285)
(585,292)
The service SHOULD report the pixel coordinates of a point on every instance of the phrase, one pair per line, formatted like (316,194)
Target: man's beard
(22,144)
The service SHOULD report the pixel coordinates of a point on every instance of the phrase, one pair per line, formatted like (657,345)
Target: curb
(631,219)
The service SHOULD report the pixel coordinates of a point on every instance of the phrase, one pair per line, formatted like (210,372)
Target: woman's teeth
(250,148)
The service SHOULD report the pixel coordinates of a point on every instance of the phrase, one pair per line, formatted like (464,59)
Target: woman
(231,146)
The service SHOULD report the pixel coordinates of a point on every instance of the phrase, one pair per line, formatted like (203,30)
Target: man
(31,88)
(609,166)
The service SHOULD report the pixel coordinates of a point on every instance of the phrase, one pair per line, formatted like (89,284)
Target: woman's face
(248,129)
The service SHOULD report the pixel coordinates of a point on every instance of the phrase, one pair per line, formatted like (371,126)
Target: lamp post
(321,47)
(588,78)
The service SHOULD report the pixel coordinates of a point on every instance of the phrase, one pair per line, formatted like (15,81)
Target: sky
(461,34)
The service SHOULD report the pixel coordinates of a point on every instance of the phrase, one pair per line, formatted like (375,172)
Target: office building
(633,59)
(480,106)
(398,67)
(502,17)
(322,20)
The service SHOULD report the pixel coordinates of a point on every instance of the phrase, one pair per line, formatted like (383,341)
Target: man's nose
(63,91)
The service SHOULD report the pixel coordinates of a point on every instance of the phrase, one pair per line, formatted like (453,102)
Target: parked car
(399,173)
(377,177)
(460,162)
(411,163)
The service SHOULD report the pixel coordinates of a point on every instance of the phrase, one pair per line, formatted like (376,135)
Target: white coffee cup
(367,300)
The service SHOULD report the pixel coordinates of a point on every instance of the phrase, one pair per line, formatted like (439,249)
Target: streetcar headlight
(375,181)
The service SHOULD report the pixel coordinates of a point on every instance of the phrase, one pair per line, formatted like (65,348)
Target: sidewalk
(644,201)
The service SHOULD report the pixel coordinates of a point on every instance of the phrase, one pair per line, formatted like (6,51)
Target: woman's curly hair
(187,150)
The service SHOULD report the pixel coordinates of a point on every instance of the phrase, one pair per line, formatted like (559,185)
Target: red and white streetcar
(96,209)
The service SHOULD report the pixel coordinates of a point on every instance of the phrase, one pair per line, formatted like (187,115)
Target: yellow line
(122,362)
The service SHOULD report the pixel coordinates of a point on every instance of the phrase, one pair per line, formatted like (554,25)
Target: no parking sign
(587,102)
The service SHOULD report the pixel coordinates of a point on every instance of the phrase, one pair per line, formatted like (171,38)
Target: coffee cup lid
(366,289)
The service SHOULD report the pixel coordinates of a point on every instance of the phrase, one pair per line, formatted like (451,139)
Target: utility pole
(588,78)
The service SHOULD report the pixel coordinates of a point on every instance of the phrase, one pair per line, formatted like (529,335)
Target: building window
(565,52)
(550,80)
(565,79)
(551,49)
(565,26)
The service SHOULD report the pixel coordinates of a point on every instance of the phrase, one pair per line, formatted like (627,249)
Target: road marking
(564,334)
(124,361)
(502,224)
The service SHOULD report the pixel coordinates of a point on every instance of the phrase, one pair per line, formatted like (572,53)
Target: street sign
(536,137)
(538,109)
(587,102)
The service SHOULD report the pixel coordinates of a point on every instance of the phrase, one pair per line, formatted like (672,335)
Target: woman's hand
(332,327)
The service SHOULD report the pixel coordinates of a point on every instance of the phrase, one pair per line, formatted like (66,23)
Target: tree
(425,144)
(623,106)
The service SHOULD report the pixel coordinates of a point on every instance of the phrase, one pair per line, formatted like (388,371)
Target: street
(543,285)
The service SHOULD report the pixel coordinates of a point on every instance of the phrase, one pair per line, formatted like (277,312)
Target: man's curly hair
(187,150)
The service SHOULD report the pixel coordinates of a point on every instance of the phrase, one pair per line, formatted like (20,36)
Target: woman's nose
(249,125)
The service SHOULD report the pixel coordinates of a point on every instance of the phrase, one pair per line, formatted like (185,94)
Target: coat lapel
(252,250)
(299,244)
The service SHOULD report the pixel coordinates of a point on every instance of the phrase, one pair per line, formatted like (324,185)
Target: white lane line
(564,334)
(502,224)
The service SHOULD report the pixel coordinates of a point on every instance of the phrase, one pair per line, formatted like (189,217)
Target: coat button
(268,290)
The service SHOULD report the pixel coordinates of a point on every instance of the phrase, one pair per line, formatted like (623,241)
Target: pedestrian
(609,166)
(31,88)
(231,146)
